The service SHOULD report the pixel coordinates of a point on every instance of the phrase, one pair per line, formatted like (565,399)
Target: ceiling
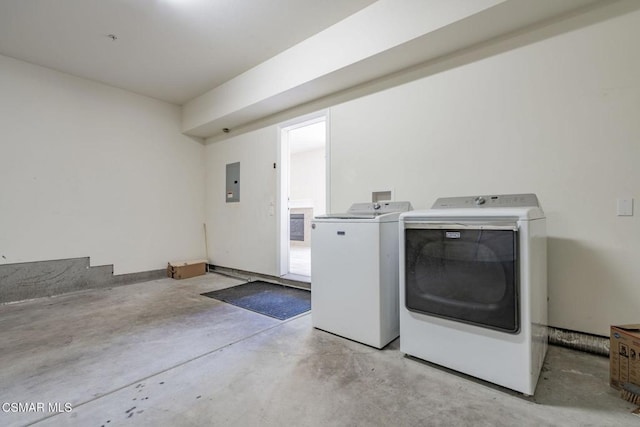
(172,50)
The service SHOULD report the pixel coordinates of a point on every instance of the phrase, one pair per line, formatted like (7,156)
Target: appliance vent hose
(579,341)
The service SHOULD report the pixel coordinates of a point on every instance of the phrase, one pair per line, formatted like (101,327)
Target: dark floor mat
(281,302)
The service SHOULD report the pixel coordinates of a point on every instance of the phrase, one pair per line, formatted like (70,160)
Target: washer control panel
(379,208)
(487,201)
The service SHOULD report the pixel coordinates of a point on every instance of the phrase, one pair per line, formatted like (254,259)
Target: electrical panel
(233,182)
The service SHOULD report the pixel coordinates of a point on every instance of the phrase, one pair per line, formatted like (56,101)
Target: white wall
(90,170)
(308,178)
(243,235)
(560,118)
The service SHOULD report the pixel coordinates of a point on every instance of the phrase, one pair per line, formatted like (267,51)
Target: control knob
(479,200)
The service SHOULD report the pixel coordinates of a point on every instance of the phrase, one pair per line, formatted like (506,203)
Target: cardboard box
(186,269)
(624,355)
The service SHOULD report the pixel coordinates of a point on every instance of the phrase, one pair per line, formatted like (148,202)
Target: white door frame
(283,177)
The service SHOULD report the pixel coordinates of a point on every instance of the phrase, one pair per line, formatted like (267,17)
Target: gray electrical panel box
(233,182)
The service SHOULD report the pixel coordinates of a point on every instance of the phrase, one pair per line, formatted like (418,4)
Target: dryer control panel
(487,201)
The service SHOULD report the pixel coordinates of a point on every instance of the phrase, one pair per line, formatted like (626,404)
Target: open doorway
(303,195)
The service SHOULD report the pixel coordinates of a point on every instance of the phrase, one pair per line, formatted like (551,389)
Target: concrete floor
(159,354)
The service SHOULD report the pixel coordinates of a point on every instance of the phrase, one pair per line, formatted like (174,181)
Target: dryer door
(467,272)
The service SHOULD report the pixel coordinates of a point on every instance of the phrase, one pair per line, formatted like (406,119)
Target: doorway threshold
(297,277)
(293,280)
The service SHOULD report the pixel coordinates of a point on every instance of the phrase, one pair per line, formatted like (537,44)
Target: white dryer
(354,272)
(473,287)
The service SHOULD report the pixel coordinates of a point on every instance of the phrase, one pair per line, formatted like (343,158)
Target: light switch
(624,206)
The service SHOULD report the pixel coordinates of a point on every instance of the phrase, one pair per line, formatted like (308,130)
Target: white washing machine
(354,272)
(473,287)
